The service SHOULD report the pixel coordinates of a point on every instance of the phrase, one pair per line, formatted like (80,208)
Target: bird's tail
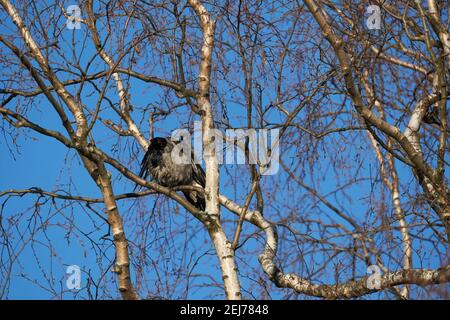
(196,199)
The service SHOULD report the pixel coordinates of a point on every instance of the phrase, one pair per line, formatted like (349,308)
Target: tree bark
(222,245)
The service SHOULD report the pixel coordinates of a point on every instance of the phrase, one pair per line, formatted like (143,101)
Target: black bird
(158,163)
(432,116)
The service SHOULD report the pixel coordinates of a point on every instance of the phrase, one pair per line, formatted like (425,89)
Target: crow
(157,163)
(432,116)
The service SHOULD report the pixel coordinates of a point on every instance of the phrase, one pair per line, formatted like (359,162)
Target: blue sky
(42,162)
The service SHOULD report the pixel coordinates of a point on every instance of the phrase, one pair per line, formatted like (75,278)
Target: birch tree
(358,91)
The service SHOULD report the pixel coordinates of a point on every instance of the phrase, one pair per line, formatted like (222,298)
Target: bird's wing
(198,175)
(198,178)
(143,173)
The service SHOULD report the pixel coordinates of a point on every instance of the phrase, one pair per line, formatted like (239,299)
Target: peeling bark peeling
(222,245)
